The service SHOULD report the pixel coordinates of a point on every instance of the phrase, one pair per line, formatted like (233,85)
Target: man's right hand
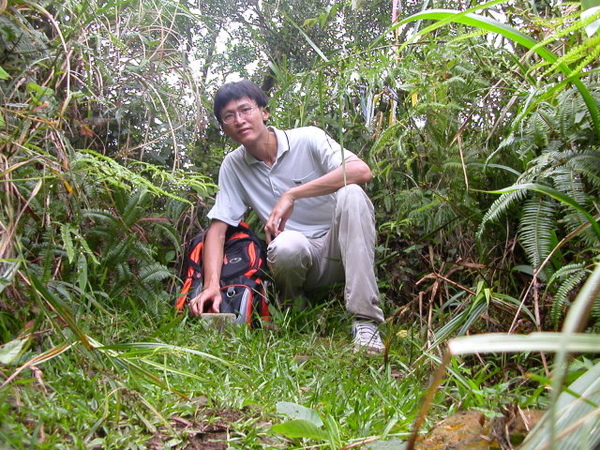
(208,301)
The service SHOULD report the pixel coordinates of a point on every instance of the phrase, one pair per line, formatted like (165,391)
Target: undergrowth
(225,391)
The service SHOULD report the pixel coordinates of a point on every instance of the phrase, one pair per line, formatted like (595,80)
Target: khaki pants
(345,253)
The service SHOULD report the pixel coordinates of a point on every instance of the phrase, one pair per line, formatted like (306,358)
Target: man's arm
(212,261)
(356,172)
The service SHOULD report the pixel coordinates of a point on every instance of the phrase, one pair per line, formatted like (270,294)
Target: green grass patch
(192,385)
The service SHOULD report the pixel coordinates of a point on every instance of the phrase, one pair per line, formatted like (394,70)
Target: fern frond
(536,229)
(587,164)
(588,53)
(107,170)
(547,160)
(65,231)
(586,236)
(142,250)
(102,216)
(153,273)
(566,112)
(170,233)
(580,55)
(455,80)
(571,184)
(569,277)
(541,125)
(387,138)
(117,251)
(123,274)
(19,38)
(500,206)
(575,23)
(135,207)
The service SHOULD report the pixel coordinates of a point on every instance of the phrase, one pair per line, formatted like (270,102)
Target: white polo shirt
(303,154)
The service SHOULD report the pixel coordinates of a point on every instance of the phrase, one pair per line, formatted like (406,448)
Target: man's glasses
(243,113)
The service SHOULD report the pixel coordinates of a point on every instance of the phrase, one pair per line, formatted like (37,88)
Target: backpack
(243,287)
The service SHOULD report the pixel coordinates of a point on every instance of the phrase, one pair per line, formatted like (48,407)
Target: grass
(104,398)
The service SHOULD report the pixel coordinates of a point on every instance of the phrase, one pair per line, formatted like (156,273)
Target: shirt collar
(283,146)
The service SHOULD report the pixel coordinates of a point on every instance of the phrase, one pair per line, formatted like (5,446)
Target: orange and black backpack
(243,284)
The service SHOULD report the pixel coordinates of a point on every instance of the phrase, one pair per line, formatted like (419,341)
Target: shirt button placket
(274,189)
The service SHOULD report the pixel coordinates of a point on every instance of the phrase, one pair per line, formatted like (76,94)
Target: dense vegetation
(483,132)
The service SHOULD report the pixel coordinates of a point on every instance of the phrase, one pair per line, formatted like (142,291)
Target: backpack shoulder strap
(193,253)
(243,231)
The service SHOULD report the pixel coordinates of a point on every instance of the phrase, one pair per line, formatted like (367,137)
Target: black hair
(235,91)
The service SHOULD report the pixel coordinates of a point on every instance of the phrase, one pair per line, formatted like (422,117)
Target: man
(319,224)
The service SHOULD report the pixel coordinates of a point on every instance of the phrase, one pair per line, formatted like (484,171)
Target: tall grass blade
(308,39)
(534,342)
(139,350)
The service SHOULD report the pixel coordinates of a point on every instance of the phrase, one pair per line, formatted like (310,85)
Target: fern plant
(559,235)
(129,257)
(568,278)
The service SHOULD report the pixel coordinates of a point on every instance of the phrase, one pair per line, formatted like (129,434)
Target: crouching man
(305,188)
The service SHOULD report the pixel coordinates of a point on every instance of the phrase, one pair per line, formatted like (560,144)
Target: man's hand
(208,301)
(281,213)
(355,171)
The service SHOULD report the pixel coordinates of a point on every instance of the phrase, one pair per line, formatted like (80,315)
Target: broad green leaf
(301,429)
(3,74)
(10,351)
(40,91)
(299,412)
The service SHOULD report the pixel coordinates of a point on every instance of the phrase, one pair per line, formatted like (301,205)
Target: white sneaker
(366,337)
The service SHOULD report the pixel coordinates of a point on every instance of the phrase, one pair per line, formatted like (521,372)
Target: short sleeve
(327,151)
(229,206)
